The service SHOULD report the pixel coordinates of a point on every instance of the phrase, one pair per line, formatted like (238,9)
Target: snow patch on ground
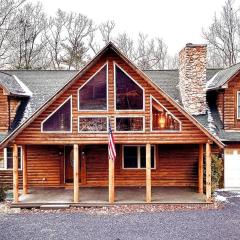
(220,198)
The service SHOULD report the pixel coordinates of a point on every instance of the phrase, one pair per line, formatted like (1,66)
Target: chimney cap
(195,45)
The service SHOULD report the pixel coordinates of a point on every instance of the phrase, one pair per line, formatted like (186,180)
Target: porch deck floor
(123,195)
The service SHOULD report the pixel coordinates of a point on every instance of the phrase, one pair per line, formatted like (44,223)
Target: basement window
(134,157)
(60,120)
(7,161)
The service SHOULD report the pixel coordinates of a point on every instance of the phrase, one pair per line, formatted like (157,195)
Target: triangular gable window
(93,94)
(60,120)
(162,119)
(129,95)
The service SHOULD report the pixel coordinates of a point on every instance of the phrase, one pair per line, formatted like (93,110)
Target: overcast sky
(176,21)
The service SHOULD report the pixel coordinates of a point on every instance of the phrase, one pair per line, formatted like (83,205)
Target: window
(60,120)
(134,124)
(7,161)
(134,157)
(238,104)
(162,119)
(129,95)
(92,124)
(93,94)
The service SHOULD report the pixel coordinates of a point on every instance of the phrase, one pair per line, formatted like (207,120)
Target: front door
(68,164)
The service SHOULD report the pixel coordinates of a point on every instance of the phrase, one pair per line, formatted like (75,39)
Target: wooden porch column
(76,173)
(208,172)
(200,169)
(24,167)
(148,174)
(111,188)
(15,173)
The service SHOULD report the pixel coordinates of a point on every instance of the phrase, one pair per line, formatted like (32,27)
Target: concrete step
(54,206)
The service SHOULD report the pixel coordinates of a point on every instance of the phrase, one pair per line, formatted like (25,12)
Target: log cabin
(166,124)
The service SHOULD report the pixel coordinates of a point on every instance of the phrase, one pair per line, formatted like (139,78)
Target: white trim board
(42,131)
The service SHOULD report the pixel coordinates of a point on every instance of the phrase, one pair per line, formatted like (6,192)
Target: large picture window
(7,161)
(134,157)
(129,95)
(92,124)
(93,94)
(60,120)
(132,124)
(162,119)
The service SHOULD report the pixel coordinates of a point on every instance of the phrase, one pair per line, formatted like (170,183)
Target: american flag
(111,145)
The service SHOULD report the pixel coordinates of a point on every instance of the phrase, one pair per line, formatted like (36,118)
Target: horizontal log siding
(176,166)
(6,176)
(43,166)
(3,111)
(230,104)
(32,134)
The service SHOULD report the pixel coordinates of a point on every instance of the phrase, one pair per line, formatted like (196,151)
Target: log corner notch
(76,173)
(208,172)
(15,173)
(111,188)
(148,174)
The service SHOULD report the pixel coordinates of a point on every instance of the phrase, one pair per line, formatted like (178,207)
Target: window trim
(93,116)
(128,116)
(115,92)
(138,156)
(5,159)
(43,131)
(238,113)
(167,130)
(88,80)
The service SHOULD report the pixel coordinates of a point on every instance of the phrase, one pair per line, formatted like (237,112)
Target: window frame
(5,159)
(128,116)
(88,80)
(139,157)
(164,130)
(115,92)
(43,131)
(93,116)
(238,113)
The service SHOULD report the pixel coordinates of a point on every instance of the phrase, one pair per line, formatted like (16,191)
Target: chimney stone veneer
(192,77)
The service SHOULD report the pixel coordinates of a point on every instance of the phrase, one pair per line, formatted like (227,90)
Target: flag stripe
(111,145)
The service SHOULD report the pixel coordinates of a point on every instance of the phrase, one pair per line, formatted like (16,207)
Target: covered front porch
(174,175)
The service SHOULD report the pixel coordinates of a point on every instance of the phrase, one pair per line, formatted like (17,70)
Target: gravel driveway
(193,224)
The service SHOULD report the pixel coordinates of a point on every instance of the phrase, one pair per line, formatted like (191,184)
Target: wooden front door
(68,164)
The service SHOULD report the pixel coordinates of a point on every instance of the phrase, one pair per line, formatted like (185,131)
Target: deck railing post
(24,168)
(15,173)
(200,169)
(208,172)
(76,173)
(148,174)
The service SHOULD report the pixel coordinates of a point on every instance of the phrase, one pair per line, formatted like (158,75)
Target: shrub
(3,193)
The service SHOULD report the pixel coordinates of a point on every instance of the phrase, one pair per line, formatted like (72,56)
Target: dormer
(12,92)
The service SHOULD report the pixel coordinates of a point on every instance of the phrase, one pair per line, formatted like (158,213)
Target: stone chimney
(192,77)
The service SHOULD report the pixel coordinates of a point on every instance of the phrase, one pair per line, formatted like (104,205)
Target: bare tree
(106,30)
(8,10)
(28,43)
(54,35)
(223,37)
(78,30)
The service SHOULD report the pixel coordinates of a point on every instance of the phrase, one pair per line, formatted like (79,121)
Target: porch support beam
(208,172)
(148,174)
(15,173)
(24,167)
(111,187)
(200,169)
(76,173)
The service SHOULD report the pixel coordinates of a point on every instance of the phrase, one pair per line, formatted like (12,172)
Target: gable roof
(223,76)
(42,99)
